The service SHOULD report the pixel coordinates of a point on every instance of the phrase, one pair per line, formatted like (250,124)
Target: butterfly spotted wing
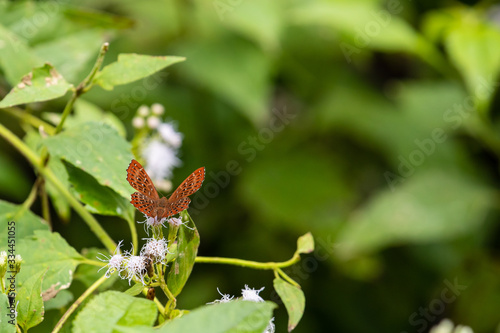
(146,200)
(179,200)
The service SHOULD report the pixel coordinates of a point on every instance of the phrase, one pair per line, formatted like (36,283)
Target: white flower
(225,298)
(136,266)
(153,122)
(175,221)
(157,109)
(270,327)
(138,122)
(143,111)
(156,249)
(170,135)
(446,326)
(115,262)
(160,160)
(251,294)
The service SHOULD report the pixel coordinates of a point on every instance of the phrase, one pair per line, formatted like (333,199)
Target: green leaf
(474,47)
(235,316)
(132,67)
(305,243)
(98,199)
(34,141)
(111,310)
(188,241)
(294,300)
(97,149)
(62,299)
(6,316)
(429,206)
(16,58)
(30,307)
(42,84)
(48,250)
(135,290)
(71,53)
(25,222)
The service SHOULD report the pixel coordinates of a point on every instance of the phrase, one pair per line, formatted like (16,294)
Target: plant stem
(49,175)
(248,263)
(82,87)
(29,118)
(286,277)
(77,303)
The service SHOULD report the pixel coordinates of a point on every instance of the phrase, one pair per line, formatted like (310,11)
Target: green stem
(45,202)
(133,234)
(77,303)
(82,87)
(49,175)
(31,196)
(29,118)
(248,263)
(286,277)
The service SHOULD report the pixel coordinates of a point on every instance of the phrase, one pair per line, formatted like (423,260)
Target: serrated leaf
(97,149)
(16,58)
(6,315)
(98,199)
(235,316)
(111,310)
(41,84)
(305,243)
(30,309)
(47,249)
(188,241)
(21,217)
(132,67)
(294,300)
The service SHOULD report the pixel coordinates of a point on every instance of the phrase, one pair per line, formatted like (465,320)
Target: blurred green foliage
(372,124)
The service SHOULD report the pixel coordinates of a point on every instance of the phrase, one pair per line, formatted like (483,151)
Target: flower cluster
(247,294)
(130,266)
(446,326)
(162,143)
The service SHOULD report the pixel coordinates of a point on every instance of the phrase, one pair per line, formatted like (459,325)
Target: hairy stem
(249,263)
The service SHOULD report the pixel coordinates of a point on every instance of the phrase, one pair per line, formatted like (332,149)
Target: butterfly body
(149,202)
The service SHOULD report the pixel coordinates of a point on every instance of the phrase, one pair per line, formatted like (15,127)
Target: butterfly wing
(146,199)
(179,200)
(144,204)
(139,179)
(176,207)
(190,185)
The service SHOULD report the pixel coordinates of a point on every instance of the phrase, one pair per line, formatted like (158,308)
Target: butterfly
(149,202)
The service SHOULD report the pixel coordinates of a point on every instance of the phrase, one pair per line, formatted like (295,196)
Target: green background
(372,124)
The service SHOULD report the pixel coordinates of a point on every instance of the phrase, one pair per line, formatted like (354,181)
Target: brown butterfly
(149,202)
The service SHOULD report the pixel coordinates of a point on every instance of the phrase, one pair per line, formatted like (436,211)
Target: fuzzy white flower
(270,327)
(170,135)
(157,109)
(156,249)
(251,294)
(225,298)
(136,266)
(160,160)
(115,262)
